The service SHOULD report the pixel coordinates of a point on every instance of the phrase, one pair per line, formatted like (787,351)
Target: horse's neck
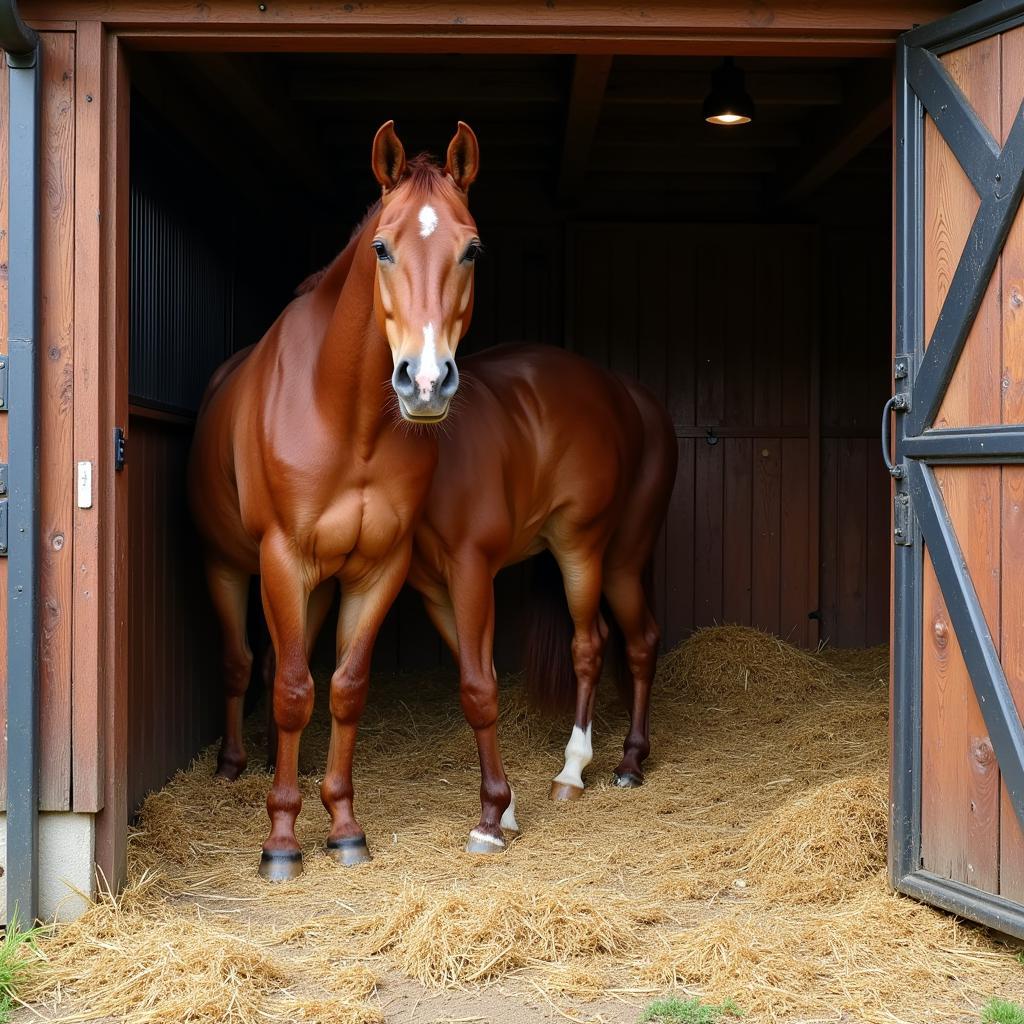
(354,363)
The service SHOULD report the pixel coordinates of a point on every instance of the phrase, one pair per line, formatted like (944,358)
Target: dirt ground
(750,867)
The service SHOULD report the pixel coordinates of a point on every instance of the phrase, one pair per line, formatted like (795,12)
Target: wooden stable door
(958,742)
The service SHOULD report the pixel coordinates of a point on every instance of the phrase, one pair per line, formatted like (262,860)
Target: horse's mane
(423,173)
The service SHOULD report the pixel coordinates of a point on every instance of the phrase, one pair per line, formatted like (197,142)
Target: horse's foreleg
(628,603)
(229,591)
(316,613)
(581,574)
(362,612)
(472,590)
(285,601)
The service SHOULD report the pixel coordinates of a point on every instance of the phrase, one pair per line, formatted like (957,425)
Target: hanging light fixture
(728,102)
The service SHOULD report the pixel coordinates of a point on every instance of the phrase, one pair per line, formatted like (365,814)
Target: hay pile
(750,867)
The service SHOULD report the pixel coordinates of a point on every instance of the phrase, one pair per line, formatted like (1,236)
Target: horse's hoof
(627,780)
(349,850)
(484,842)
(280,865)
(228,770)
(565,791)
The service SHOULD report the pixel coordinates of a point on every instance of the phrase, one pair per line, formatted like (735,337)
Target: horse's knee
(587,650)
(237,666)
(348,694)
(293,697)
(640,658)
(479,697)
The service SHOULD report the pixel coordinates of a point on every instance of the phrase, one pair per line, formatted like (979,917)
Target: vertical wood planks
(766,591)
(88,656)
(1011,858)
(56,379)
(722,330)
(174,680)
(959,813)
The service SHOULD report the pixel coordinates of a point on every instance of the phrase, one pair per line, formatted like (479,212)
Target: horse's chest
(364,523)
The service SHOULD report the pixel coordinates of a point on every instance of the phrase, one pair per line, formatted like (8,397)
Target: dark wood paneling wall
(856,363)
(721,323)
(173,667)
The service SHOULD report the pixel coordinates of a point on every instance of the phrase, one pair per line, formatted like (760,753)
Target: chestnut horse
(302,471)
(556,454)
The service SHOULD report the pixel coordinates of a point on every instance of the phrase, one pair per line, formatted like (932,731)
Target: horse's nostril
(402,380)
(448,379)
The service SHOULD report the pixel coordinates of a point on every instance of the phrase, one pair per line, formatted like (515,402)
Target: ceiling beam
(390,85)
(866,115)
(661,86)
(589,79)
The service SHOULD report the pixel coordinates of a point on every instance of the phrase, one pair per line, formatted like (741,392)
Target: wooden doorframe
(106,30)
(99,610)
(850,28)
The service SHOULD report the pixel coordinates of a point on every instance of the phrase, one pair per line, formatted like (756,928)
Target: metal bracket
(903,520)
(3,382)
(3,510)
(120,449)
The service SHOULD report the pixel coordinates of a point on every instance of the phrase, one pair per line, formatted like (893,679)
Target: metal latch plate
(903,520)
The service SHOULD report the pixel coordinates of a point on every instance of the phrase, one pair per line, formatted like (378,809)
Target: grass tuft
(689,1011)
(13,965)
(1002,1011)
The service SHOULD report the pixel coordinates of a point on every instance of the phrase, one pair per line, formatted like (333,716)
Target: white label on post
(85,485)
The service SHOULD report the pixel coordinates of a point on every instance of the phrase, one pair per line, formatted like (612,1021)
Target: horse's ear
(463,161)
(388,160)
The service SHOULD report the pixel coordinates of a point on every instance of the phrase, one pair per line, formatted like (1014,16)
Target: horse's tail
(550,679)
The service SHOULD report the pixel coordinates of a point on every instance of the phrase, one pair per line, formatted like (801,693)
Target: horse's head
(426,243)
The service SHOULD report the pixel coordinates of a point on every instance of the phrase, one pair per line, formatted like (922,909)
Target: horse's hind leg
(581,574)
(626,597)
(229,591)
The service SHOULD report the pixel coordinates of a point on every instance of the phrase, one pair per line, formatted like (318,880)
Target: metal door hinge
(120,448)
(3,509)
(903,520)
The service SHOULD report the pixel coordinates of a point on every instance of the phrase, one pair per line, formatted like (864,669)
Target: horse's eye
(474,249)
(382,251)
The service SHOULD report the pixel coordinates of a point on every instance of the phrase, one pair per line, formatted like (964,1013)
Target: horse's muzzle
(422,400)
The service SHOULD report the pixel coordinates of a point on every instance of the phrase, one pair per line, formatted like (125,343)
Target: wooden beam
(714,27)
(589,79)
(277,128)
(867,114)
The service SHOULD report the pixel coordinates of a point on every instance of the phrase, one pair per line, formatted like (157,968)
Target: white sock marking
(428,221)
(508,819)
(579,752)
(429,371)
(483,837)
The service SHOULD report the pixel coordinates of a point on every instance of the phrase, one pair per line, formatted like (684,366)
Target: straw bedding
(749,867)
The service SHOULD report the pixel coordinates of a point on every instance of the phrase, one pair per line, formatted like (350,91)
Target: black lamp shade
(728,102)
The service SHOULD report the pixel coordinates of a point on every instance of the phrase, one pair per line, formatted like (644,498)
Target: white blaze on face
(428,221)
(579,752)
(428,371)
